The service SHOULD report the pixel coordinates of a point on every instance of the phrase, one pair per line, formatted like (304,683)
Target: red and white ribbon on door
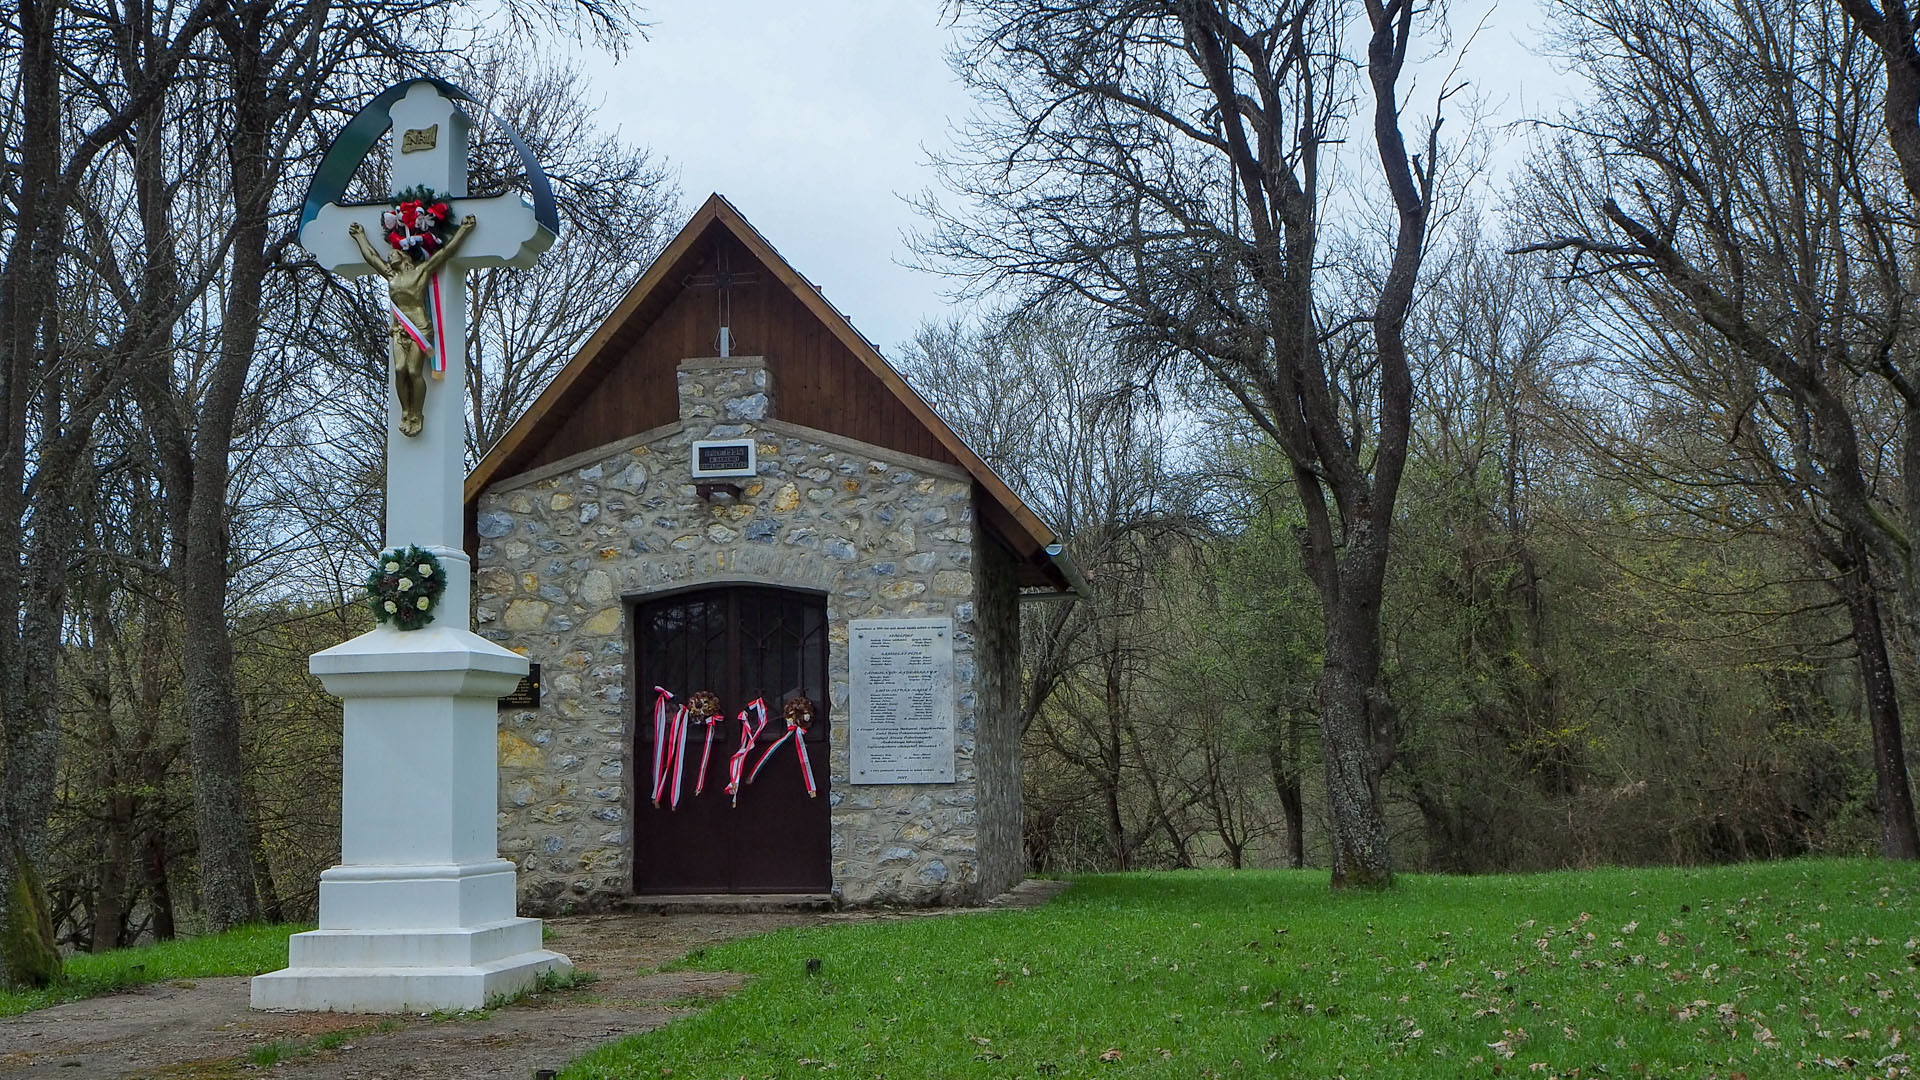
(700,779)
(799,736)
(669,745)
(661,696)
(749,733)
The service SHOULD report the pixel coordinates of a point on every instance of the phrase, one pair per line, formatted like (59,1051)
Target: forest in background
(1585,673)
(1436,519)
(1610,458)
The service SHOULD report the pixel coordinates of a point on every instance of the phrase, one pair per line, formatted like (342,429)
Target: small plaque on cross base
(527,694)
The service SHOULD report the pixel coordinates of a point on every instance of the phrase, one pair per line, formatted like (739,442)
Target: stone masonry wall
(1003,856)
(565,551)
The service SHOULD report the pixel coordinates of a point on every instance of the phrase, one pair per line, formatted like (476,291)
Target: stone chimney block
(724,397)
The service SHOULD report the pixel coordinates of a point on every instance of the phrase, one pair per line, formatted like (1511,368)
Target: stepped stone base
(390,971)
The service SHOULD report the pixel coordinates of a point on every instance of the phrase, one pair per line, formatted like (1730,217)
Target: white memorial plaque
(901,731)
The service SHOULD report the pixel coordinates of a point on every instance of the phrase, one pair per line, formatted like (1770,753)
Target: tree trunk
(1116,831)
(1283,757)
(201,510)
(1892,792)
(30,586)
(1350,724)
(1114,755)
(159,884)
(219,803)
(271,908)
(110,904)
(1163,815)
(1220,804)
(27,943)
(1347,495)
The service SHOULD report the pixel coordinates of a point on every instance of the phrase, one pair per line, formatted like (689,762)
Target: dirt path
(203,1029)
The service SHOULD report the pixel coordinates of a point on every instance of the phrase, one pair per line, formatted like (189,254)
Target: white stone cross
(420,913)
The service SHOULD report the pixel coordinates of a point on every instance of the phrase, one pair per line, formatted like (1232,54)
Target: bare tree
(1169,161)
(57,376)
(123,732)
(1044,397)
(269,59)
(1891,27)
(1722,184)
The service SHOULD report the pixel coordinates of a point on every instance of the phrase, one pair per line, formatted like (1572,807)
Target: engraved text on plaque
(901,729)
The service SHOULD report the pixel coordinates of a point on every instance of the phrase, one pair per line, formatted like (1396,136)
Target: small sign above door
(724,458)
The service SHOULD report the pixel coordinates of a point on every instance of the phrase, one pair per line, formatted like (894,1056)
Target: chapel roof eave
(1040,560)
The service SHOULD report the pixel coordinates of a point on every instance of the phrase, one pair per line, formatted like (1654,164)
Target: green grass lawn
(1784,969)
(246,951)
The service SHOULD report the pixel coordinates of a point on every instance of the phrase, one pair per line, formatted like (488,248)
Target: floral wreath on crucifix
(420,222)
(404,587)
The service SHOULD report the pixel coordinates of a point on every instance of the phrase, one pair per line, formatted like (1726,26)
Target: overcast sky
(814,118)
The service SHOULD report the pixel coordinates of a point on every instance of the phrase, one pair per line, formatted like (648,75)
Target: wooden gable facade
(719,271)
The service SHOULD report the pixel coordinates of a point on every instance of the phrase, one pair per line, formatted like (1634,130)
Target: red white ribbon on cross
(436,352)
(700,778)
(669,743)
(799,736)
(749,733)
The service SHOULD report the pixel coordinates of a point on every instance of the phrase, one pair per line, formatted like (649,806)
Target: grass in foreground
(249,950)
(279,1050)
(1783,969)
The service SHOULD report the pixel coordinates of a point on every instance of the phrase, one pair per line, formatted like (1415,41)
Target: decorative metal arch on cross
(358,137)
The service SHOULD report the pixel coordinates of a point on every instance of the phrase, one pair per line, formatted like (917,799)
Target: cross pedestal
(420,914)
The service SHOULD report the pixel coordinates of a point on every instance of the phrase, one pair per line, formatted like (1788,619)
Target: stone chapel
(729,492)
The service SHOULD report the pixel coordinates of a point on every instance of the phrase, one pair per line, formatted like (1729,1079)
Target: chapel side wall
(1002,850)
(567,550)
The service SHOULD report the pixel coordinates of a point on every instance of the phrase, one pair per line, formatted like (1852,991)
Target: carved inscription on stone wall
(901,728)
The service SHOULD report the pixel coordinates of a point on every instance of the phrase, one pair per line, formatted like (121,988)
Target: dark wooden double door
(741,643)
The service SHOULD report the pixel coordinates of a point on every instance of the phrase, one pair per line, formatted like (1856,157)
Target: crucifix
(414,288)
(420,913)
(426,433)
(722,280)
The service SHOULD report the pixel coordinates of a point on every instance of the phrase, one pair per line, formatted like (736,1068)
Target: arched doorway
(741,642)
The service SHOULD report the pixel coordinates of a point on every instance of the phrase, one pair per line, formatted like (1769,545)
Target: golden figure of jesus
(408,282)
